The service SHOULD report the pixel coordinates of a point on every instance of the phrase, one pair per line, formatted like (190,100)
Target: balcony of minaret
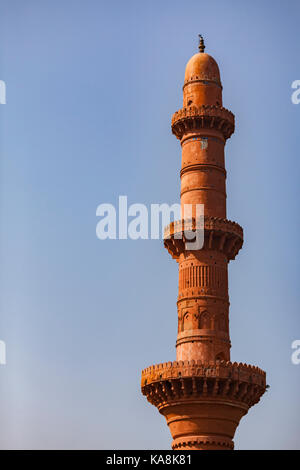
(220,235)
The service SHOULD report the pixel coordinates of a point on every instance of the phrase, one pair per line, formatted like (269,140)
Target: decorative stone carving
(193,118)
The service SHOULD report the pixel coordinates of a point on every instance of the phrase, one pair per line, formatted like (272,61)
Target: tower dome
(202,67)
(202,83)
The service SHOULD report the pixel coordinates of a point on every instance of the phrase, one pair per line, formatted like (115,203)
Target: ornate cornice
(193,118)
(205,442)
(183,381)
(219,234)
(204,79)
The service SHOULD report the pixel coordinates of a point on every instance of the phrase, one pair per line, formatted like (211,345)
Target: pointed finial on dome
(201,46)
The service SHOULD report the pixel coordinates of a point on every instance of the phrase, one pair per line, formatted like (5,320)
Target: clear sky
(91,87)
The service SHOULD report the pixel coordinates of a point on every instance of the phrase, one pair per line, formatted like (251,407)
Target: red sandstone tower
(202,394)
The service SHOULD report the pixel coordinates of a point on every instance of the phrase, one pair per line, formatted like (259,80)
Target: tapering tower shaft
(202,394)
(203,126)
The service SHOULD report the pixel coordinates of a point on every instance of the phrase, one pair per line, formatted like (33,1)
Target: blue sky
(91,87)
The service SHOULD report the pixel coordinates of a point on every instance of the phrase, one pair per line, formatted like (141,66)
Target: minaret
(202,394)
